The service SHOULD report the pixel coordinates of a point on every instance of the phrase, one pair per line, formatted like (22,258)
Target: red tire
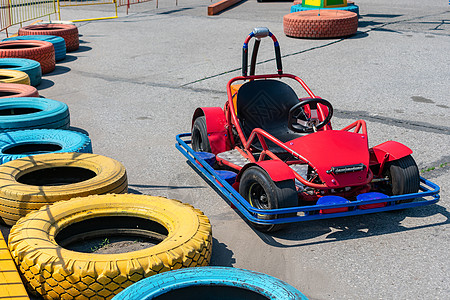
(41,51)
(11,90)
(327,24)
(68,32)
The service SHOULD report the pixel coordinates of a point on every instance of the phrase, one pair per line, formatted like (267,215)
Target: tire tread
(92,276)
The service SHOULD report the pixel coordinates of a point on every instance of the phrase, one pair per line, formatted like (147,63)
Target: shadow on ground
(349,228)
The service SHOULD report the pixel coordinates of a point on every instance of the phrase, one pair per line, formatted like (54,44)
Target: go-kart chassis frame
(428,190)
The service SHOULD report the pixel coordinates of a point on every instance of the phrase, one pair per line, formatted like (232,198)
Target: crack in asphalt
(139,81)
(412,125)
(357,35)
(261,62)
(345,114)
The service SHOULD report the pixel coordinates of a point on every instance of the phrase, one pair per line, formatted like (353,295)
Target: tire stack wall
(72,184)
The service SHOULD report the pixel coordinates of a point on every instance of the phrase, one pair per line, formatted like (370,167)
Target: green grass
(101,245)
(434,168)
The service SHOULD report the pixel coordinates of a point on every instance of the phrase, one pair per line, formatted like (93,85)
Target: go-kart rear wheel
(200,141)
(403,177)
(262,192)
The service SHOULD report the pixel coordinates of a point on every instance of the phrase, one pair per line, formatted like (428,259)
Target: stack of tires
(42,161)
(58,42)
(35,52)
(56,193)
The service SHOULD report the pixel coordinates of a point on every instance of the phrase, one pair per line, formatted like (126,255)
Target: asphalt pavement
(136,80)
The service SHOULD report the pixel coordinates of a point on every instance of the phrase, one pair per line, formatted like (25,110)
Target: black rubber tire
(280,194)
(38,244)
(404,177)
(29,66)
(21,143)
(32,113)
(200,141)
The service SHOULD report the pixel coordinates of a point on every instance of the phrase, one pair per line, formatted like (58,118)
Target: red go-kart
(286,162)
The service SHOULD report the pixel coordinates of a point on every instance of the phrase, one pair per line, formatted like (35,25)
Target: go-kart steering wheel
(297,113)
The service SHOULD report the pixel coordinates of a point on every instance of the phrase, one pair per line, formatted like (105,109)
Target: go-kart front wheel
(200,141)
(403,177)
(262,192)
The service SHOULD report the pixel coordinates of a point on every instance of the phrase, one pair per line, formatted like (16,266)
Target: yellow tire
(58,273)
(30,182)
(14,76)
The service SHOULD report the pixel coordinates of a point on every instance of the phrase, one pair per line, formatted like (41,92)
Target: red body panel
(335,148)
(394,150)
(216,128)
(277,170)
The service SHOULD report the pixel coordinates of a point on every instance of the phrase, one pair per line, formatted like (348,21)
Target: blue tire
(29,66)
(18,144)
(58,43)
(351,7)
(33,113)
(217,283)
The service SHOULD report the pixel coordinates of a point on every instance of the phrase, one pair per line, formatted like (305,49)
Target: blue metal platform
(428,190)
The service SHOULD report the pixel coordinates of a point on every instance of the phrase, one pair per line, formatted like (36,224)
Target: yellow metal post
(59,11)
(83,4)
